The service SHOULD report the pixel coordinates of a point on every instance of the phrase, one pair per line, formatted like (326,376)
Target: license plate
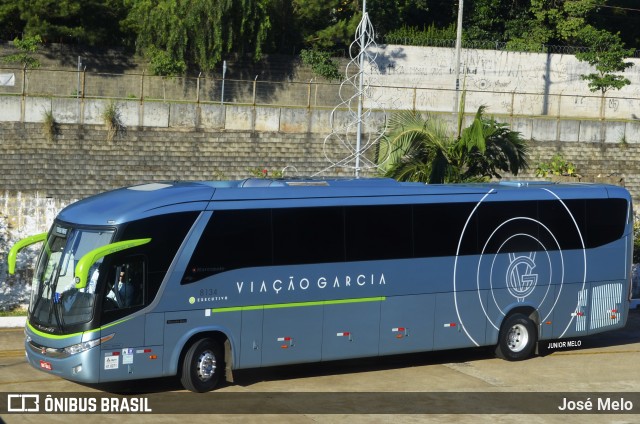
(46,365)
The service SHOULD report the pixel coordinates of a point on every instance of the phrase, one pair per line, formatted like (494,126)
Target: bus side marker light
(548,322)
(450,324)
(345,334)
(402,332)
(153,356)
(286,339)
(577,314)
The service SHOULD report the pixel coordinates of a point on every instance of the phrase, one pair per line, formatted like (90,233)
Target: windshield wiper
(55,301)
(45,283)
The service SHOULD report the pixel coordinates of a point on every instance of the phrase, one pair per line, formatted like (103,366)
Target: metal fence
(489,45)
(310,94)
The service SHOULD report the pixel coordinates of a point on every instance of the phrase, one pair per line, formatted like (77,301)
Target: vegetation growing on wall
(50,127)
(113,121)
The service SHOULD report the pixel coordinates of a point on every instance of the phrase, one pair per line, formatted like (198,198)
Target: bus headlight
(81,347)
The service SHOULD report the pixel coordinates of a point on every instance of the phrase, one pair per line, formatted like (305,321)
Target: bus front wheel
(517,338)
(202,366)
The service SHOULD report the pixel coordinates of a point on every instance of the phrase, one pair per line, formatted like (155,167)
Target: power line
(618,7)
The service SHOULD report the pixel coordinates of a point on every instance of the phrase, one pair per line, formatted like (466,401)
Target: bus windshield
(55,300)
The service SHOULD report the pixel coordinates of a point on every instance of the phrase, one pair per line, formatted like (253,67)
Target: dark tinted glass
(438,227)
(290,236)
(308,235)
(606,219)
(232,239)
(378,232)
(167,232)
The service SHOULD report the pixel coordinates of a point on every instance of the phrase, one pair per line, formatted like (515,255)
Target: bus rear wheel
(202,366)
(517,338)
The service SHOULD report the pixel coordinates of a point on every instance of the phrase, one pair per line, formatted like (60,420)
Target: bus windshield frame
(56,304)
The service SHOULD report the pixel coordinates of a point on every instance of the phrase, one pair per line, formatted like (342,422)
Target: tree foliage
(327,25)
(26,47)
(606,53)
(199,32)
(423,150)
(10,23)
(90,22)
(321,64)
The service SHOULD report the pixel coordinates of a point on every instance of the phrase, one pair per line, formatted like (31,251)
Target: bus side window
(125,284)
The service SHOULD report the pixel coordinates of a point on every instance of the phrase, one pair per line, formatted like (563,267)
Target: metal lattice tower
(345,147)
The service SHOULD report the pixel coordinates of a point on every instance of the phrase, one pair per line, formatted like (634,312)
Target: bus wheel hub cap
(206,365)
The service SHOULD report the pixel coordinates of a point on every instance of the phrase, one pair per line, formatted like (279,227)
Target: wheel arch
(217,334)
(527,310)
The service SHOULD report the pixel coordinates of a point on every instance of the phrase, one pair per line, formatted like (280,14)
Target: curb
(13,322)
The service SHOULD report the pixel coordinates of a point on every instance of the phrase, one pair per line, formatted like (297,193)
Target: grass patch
(18,312)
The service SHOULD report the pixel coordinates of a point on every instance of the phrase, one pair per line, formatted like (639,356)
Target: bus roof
(136,202)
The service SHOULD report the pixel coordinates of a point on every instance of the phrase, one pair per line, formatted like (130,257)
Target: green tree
(26,47)
(388,15)
(92,22)
(424,150)
(10,23)
(606,53)
(495,20)
(199,32)
(321,64)
(327,25)
(555,22)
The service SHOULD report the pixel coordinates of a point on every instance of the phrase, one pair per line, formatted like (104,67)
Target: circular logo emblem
(192,300)
(521,281)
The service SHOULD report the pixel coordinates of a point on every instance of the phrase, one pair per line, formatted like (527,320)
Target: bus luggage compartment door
(459,320)
(406,324)
(351,330)
(291,335)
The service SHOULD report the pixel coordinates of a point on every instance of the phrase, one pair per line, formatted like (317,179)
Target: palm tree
(422,149)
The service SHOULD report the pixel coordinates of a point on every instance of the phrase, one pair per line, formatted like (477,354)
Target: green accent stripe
(68,336)
(298,304)
(85,262)
(13,253)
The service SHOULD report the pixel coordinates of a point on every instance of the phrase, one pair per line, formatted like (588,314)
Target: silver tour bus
(196,279)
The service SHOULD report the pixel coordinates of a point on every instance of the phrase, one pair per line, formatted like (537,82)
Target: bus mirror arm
(85,263)
(13,253)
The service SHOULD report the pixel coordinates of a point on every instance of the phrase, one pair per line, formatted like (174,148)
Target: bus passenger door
(127,355)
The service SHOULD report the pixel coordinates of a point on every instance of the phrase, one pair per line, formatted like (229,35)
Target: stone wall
(81,161)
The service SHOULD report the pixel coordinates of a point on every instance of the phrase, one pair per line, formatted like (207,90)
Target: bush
(321,64)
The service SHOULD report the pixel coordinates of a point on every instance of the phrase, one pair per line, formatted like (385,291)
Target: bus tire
(202,366)
(517,338)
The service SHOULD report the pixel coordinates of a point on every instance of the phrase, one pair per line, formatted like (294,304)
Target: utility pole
(458,48)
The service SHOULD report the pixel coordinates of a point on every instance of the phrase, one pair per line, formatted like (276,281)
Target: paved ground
(460,381)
